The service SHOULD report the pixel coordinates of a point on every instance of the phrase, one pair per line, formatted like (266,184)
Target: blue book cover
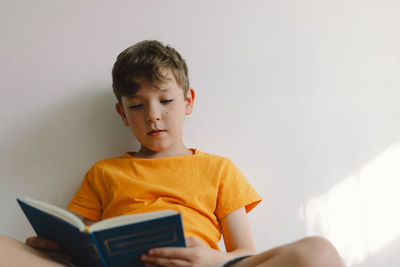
(114,242)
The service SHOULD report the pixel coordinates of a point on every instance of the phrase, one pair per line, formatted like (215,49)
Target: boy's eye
(166,101)
(135,106)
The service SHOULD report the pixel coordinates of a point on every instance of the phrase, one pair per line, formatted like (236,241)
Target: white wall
(302,95)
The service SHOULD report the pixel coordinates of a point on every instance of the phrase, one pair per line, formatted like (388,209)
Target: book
(118,241)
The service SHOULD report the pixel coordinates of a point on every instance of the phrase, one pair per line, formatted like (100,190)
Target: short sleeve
(86,202)
(234,191)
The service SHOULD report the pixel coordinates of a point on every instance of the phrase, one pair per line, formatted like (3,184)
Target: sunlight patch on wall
(360,215)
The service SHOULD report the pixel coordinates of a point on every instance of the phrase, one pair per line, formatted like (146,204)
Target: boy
(151,83)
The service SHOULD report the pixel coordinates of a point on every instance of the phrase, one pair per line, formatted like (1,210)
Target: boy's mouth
(155,132)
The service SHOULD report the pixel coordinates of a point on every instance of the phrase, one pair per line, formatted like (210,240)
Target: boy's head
(151,83)
(147,60)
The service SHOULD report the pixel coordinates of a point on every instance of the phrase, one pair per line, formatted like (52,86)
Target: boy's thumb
(41,243)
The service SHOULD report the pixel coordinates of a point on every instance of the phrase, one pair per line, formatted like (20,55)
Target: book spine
(93,256)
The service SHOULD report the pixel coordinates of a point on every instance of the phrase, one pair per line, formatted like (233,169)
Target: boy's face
(155,115)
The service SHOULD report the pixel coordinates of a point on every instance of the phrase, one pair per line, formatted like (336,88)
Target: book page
(129,219)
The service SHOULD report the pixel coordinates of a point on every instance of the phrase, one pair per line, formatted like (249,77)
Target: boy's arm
(237,233)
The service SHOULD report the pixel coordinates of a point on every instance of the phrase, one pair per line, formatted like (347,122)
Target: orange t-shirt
(202,187)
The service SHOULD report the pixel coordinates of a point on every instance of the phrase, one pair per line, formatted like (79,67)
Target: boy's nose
(153,114)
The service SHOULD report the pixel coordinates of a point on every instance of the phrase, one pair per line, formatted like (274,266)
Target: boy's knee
(16,253)
(5,241)
(314,252)
(8,244)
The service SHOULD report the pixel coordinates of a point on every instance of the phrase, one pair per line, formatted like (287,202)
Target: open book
(118,241)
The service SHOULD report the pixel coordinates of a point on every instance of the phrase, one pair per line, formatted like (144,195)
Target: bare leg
(308,252)
(14,254)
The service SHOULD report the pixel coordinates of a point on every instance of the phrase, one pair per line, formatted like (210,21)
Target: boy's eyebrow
(163,89)
(135,95)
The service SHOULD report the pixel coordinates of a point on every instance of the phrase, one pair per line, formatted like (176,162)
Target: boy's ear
(121,112)
(189,101)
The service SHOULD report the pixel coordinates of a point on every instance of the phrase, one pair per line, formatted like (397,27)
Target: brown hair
(146,60)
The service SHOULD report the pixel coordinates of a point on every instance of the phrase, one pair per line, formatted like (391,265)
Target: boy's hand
(46,246)
(195,254)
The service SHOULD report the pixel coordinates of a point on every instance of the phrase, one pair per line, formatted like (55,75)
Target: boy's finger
(42,243)
(160,261)
(171,253)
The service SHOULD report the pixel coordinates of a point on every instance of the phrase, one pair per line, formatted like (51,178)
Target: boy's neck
(149,154)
